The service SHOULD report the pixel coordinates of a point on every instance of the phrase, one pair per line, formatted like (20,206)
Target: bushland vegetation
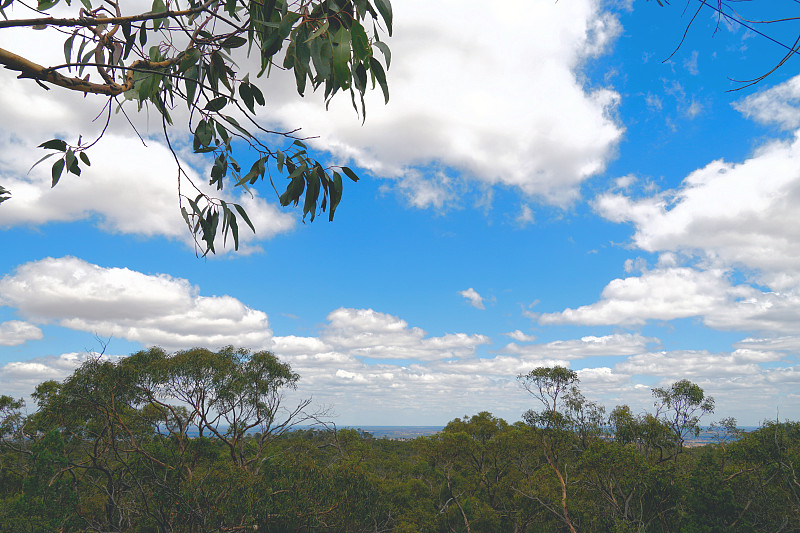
(203,441)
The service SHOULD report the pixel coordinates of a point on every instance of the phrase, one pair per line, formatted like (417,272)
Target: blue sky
(542,188)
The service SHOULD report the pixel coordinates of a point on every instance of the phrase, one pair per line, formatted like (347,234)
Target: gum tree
(552,386)
(207,55)
(680,406)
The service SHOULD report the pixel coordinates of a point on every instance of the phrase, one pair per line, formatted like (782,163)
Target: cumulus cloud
(16,332)
(682,292)
(475,299)
(738,213)
(122,170)
(662,294)
(332,367)
(777,105)
(368,333)
(726,221)
(129,187)
(460,100)
(459,105)
(589,346)
(20,378)
(520,336)
(119,302)
(698,364)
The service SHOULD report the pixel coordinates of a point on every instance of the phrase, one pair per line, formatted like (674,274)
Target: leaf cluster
(189,52)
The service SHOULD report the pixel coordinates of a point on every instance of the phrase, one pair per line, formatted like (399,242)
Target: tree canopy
(198,441)
(208,56)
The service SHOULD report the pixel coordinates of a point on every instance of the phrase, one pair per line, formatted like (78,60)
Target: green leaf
(54,144)
(336,194)
(247,97)
(186,217)
(80,50)
(158,7)
(190,58)
(350,174)
(258,95)
(321,54)
(385,9)
(233,122)
(48,156)
(234,41)
(380,75)
(191,89)
(142,36)
(384,48)
(341,56)
(234,228)
(218,68)
(279,157)
(58,167)
(216,104)
(222,132)
(361,8)
(155,54)
(85,159)
(358,36)
(44,5)
(312,193)
(71,163)
(319,31)
(203,133)
(360,78)
(287,22)
(68,49)
(243,213)
(295,188)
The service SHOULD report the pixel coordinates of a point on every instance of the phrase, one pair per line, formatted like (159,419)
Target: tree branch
(95,21)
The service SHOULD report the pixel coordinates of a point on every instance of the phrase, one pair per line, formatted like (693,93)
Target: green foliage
(549,385)
(190,442)
(172,54)
(682,404)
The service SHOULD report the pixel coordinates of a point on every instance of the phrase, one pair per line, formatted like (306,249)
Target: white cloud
(736,213)
(727,221)
(661,294)
(150,309)
(589,346)
(458,103)
(786,343)
(133,189)
(697,364)
(19,378)
(519,336)
(475,299)
(778,105)
(462,100)
(16,332)
(653,102)
(668,293)
(693,109)
(368,333)
(129,188)
(690,63)
(525,216)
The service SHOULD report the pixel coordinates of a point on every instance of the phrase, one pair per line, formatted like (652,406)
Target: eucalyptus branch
(95,21)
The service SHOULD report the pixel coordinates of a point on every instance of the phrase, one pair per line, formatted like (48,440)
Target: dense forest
(202,441)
